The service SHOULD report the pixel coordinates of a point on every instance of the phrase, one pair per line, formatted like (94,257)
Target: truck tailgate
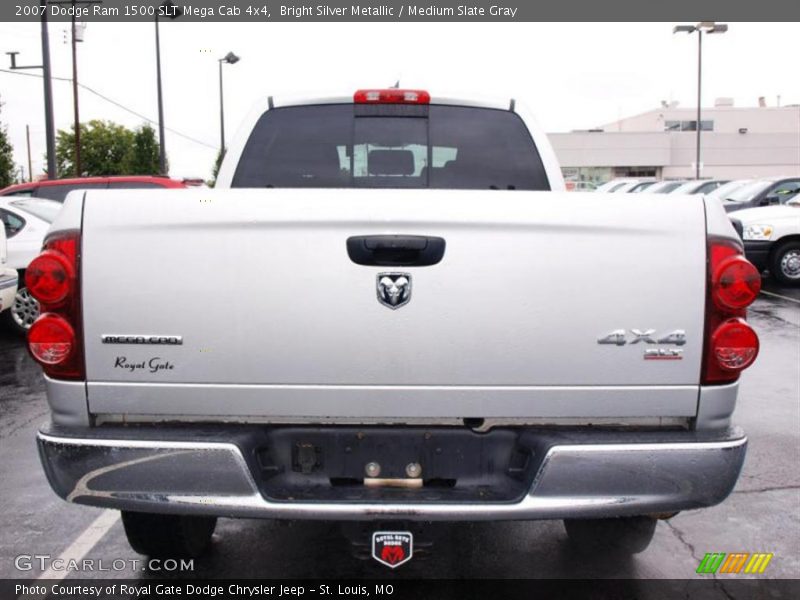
(277,320)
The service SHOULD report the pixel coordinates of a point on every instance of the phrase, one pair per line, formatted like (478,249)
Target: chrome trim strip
(151,445)
(8,282)
(488,423)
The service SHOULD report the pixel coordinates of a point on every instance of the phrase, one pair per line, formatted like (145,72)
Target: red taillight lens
(51,339)
(54,339)
(49,277)
(734,345)
(391,96)
(735,283)
(731,345)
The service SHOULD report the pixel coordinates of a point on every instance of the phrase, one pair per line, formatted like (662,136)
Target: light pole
(169,10)
(75,40)
(49,126)
(700,28)
(231,59)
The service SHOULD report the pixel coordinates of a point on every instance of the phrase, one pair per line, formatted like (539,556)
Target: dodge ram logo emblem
(394,289)
(392,548)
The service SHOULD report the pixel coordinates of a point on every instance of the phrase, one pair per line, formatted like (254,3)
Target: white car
(660,187)
(25,222)
(725,189)
(699,186)
(622,184)
(771,237)
(8,277)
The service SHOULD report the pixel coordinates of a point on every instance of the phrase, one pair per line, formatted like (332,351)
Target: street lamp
(169,10)
(700,28)
(49,126)
(231,59)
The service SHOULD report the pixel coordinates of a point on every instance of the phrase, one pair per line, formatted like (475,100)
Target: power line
(115,103)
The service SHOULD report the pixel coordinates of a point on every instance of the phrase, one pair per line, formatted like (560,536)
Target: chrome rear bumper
(216,478)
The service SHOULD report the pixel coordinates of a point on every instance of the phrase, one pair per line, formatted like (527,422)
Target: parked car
(699,186)
(762,192)
(663,187)
(621,184)
(397,347)
(728,188)
(57,189)
(641,187)
(771,237)
(25,223)
(8,277)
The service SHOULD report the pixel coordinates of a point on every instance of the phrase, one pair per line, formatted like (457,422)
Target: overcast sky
(573,76)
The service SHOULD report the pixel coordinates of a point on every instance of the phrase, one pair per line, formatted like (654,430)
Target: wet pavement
(762,514)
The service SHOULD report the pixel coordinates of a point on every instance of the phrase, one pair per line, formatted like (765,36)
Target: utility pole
(170,10)
(73,3)
(78,170)
(28,139)
(49,124)
(162,151)
(50,130)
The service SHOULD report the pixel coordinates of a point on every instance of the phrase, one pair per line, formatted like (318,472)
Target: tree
(215,169)
(143,157)
(7,170)
(108,149)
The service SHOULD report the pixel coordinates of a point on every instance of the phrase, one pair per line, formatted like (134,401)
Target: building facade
(737,143)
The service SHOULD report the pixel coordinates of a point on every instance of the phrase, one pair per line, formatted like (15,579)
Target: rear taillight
(731,345)
(735,283)
(734,344)
(51,339)
(52,277)
(391,96)
(49,277)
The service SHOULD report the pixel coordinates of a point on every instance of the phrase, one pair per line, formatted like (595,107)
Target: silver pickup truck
(390,310)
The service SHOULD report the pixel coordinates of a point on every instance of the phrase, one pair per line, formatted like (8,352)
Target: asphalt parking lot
(762,514)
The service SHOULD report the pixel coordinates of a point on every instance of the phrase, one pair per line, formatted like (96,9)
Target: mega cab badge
(392,548)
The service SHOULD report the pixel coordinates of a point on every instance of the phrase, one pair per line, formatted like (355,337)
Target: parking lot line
(795,300)
(84,543)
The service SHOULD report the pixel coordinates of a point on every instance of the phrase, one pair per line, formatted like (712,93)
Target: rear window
(390,146)
(59,192)
(46,210)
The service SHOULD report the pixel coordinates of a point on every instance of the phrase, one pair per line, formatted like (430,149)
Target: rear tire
(168,536)
(624,535)
(785,263)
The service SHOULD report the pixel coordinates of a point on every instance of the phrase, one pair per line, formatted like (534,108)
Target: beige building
(737,143)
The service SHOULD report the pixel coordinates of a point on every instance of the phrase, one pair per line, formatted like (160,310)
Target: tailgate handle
(395,250)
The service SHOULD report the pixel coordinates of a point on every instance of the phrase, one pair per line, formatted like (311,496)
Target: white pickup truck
(390,310)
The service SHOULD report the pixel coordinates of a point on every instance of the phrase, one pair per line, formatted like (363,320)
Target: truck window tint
(445,147)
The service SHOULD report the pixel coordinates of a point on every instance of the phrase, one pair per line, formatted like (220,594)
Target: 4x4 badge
(394,289)
(392,548)
(618,337)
